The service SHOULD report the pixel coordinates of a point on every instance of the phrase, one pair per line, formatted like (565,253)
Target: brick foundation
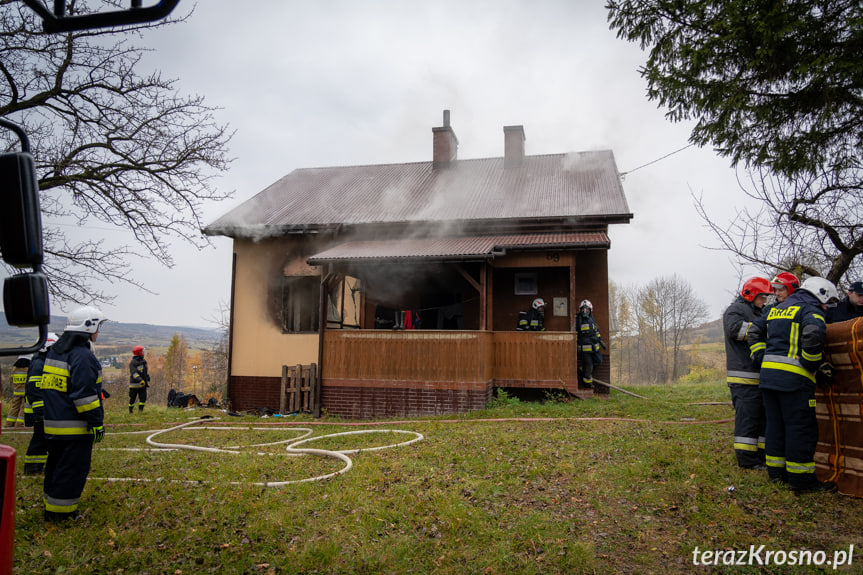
(246,393)
(365,399)
(371,399)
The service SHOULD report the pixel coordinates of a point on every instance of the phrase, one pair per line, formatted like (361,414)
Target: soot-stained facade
(403,282)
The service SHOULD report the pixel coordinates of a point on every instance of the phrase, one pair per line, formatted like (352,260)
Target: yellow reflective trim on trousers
(61,505)
(18,393)
(793,467)
(743,380)
(773,461)
(745,447)
(789,368)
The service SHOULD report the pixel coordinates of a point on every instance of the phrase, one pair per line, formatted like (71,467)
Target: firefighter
(788,343)
(139,379)
(71,388)
(784,284)
(589,342)
(742,373)
(15,415)
(37,449)
(533,319)
(850,307)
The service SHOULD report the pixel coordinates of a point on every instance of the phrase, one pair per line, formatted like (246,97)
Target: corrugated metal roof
(584,184)
(455,248)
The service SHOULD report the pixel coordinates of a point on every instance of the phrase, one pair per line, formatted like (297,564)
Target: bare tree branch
(111,146)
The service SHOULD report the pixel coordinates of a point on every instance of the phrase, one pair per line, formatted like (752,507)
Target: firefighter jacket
(844,311)
(589,338)
(138,376)
(788,343)
(737,322)
(33,403)
(531,320)
(71,385)
(19,375)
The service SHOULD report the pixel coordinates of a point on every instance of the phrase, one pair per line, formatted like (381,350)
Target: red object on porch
(7,508)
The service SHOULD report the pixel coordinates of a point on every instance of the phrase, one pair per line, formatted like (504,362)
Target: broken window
(301,304)
(344,302)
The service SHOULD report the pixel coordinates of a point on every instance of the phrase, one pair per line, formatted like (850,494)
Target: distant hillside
(115,333)
(709,332)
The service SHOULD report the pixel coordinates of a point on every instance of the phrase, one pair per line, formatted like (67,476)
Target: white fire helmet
(87,319)
(822,289)
(49,341)
(538,303)
(585,303)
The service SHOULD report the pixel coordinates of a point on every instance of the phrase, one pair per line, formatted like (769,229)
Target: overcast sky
(333,83)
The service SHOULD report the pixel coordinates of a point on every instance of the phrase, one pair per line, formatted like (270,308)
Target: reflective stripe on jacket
(138,376)
(71,386)
(33,403)
(736,323)
(788,342)
(588,333)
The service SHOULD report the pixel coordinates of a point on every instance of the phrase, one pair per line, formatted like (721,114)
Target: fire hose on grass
(292,450)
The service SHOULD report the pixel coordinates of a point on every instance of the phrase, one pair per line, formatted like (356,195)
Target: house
(403,282)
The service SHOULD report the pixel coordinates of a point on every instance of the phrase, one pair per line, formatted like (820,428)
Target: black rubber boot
(817,487)
(34,469)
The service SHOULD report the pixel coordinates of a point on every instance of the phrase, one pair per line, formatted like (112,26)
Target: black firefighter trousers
(792,436)
(749,424)
(66,473)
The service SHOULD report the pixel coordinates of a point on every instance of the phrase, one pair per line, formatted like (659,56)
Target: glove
(602,343)
(824,375)
(98,434)
(105,394)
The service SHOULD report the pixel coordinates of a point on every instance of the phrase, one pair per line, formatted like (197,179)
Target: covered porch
(374,373)
(371,367)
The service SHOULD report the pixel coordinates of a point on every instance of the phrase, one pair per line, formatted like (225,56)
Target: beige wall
(259,346)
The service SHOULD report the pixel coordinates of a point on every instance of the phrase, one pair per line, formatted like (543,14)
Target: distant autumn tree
(777,88)
(176,362)
(115,146)
(667,310)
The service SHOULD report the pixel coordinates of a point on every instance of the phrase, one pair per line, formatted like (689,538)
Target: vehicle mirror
(20,218)
(25,300)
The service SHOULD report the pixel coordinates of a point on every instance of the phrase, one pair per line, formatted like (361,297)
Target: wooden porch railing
(534,359)
(408,355)
(511,359)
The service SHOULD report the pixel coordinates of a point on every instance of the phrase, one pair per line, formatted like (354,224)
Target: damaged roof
(581,186)
(456,248)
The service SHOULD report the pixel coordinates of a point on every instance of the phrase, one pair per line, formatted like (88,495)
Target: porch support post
(483,298)
(489,295)
(572,303)
(322,326)
(469,279)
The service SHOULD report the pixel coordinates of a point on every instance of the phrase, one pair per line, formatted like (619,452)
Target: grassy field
(622,485)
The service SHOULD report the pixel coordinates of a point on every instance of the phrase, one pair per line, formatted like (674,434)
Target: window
(301,304)
(525,283)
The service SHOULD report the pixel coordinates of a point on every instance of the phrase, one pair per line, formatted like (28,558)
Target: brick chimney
(513,146)
(445,144)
